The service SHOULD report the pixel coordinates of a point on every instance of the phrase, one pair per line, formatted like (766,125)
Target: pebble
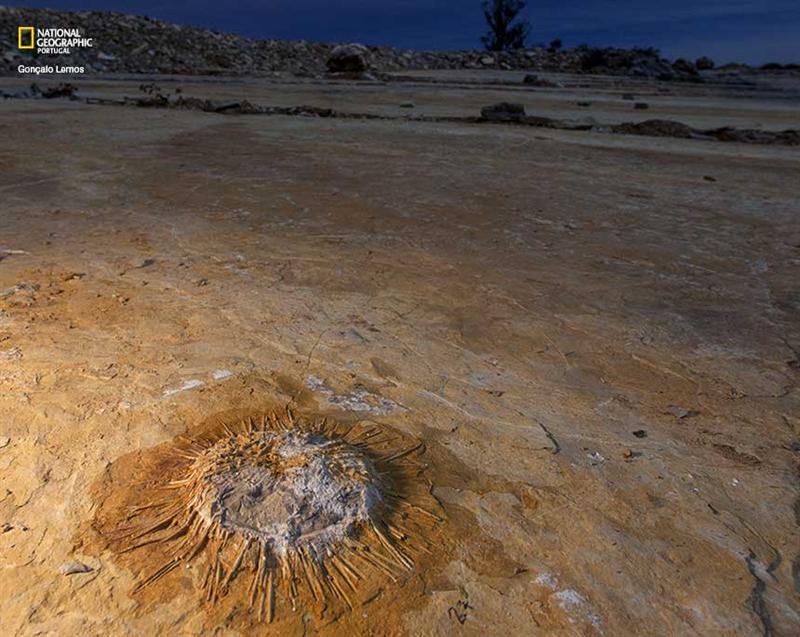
(681,412)
(595,458)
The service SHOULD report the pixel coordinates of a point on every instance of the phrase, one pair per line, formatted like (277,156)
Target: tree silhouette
(503,35)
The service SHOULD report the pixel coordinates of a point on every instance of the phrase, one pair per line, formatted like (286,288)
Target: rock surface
(521,300)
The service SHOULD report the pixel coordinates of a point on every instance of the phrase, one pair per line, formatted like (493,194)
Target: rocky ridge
(502,112)
(139,44)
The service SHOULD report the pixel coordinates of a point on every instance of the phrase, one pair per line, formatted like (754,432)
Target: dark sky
(754,31)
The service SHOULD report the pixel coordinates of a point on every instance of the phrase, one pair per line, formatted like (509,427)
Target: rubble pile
(139,44)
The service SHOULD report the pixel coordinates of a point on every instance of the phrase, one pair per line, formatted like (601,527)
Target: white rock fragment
(316,384)
(13,354)
(359,399)
(221,374)
(546,579)
(569,598)
(72,567)
(595,458)
(189,384)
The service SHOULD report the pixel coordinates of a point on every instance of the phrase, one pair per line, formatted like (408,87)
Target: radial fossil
(298,506)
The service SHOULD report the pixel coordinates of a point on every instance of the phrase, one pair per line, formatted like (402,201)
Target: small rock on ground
(72,567)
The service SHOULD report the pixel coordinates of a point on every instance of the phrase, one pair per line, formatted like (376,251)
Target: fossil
(288,504)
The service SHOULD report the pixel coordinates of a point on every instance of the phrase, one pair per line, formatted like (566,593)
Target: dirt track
(521,300)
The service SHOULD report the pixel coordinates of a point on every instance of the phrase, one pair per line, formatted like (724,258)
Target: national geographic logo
(52,41)
(26,37)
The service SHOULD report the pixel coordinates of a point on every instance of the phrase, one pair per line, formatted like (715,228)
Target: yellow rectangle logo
(26,37)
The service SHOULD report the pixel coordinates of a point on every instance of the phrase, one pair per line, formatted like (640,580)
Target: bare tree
(503,35)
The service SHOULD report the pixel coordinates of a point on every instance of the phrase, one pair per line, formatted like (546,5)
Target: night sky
(753,31)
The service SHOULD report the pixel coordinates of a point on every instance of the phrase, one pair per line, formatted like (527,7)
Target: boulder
(62,90)
(348,58)
(503,112)
(535,80)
